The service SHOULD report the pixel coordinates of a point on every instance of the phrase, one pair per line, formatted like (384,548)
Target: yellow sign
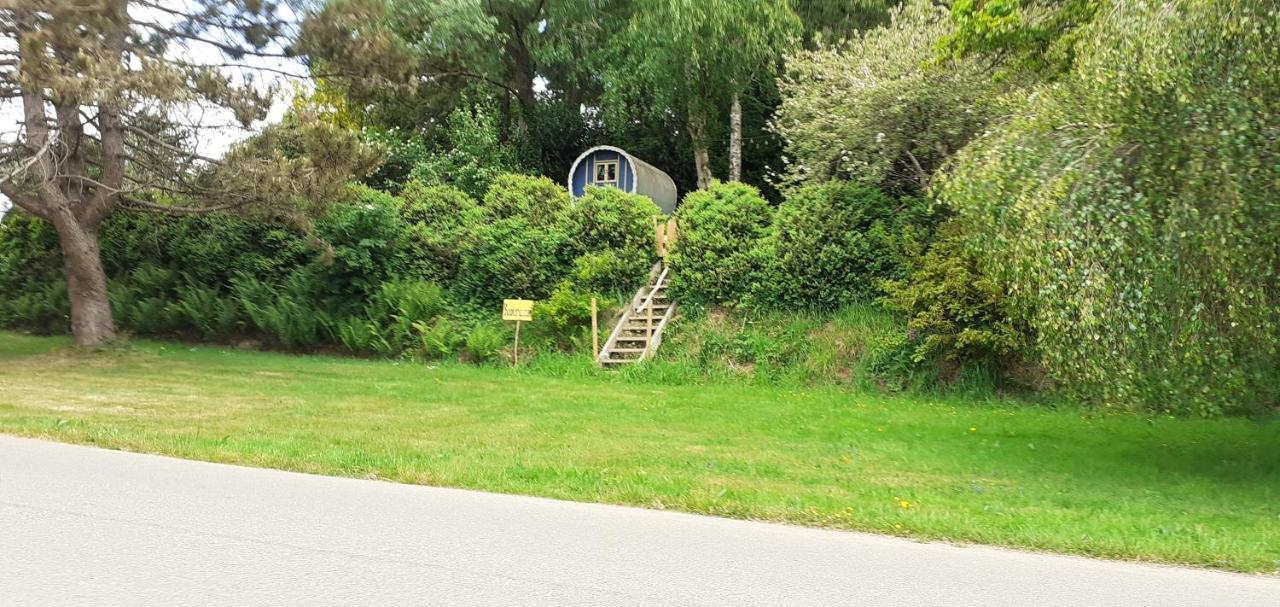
(517,309)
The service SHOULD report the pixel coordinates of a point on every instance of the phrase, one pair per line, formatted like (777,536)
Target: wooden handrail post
(595,331)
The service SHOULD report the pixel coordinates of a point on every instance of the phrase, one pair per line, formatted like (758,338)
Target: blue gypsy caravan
(605,165)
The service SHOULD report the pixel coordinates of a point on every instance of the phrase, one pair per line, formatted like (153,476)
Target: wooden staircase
(638,332)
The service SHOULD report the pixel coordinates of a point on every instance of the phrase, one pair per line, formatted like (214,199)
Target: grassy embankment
(1062,479)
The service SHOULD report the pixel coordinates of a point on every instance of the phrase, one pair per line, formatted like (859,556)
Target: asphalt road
(84,526)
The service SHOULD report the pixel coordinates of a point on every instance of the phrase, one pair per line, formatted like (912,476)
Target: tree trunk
(91,323)
(701,157)
(735,139)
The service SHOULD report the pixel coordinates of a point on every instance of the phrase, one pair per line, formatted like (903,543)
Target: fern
(439,340)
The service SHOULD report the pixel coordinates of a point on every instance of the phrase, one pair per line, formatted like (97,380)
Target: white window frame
(598,165)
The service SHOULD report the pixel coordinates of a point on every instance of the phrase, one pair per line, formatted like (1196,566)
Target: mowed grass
(1060,479)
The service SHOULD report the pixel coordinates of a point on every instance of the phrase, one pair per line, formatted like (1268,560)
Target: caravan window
(606,173)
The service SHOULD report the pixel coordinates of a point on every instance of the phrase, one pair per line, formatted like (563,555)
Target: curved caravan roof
(644,178)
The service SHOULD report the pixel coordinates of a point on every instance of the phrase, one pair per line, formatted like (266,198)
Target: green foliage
(206,310)
(441,208)
(41,307)
(563,320)
(207,250)
(437,216)
(394,318)
(833,243)
(360,335)
(471,156)
(876,111)
(697,56)
(294,168)
(956,311)
(611,233)
(610,271)
(511,258)
(1131,209)
(140,302)
(857,345)
(608,218)
(536,200)
(284,312)
(399,307)
(521,250)
(716,258)
(410,300)
(439,340)
(404,152)
(1037,36)
(29,255)
(485,342)
(364,238)
(33,295)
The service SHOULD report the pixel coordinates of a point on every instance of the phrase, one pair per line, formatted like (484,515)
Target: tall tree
(411,62)
(878,108)
(692,58)
(107,89)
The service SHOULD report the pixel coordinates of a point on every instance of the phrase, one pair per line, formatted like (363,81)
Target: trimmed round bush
(441,207)
(437,216)
(715,260)
(611,233)
(511,258)
(836,242)
(538,200)
(608,218)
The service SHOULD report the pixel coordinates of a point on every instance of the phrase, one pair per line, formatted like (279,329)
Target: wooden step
(619,361)
(627,350)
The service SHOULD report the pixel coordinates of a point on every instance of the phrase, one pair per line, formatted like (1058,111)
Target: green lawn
(1065,479)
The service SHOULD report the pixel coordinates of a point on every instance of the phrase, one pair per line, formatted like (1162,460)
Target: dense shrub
(364,238)
(394,317)
(563,320)
(520,248)
(612,271)
(437,218)
(207,249)
(834,243)
(1132,209)
(29,257)
(141,300)
(284,312)
(511,258)
(485,342)
(440,339)
(442,208)
(608,218)
(404,152)
(611,233)
(471,155)
(537,200)
(207,311)
(956,311)
(40,307)
(717,258)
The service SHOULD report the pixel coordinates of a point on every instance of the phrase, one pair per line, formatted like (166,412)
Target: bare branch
(168,146)
(134,203)
(230,49)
